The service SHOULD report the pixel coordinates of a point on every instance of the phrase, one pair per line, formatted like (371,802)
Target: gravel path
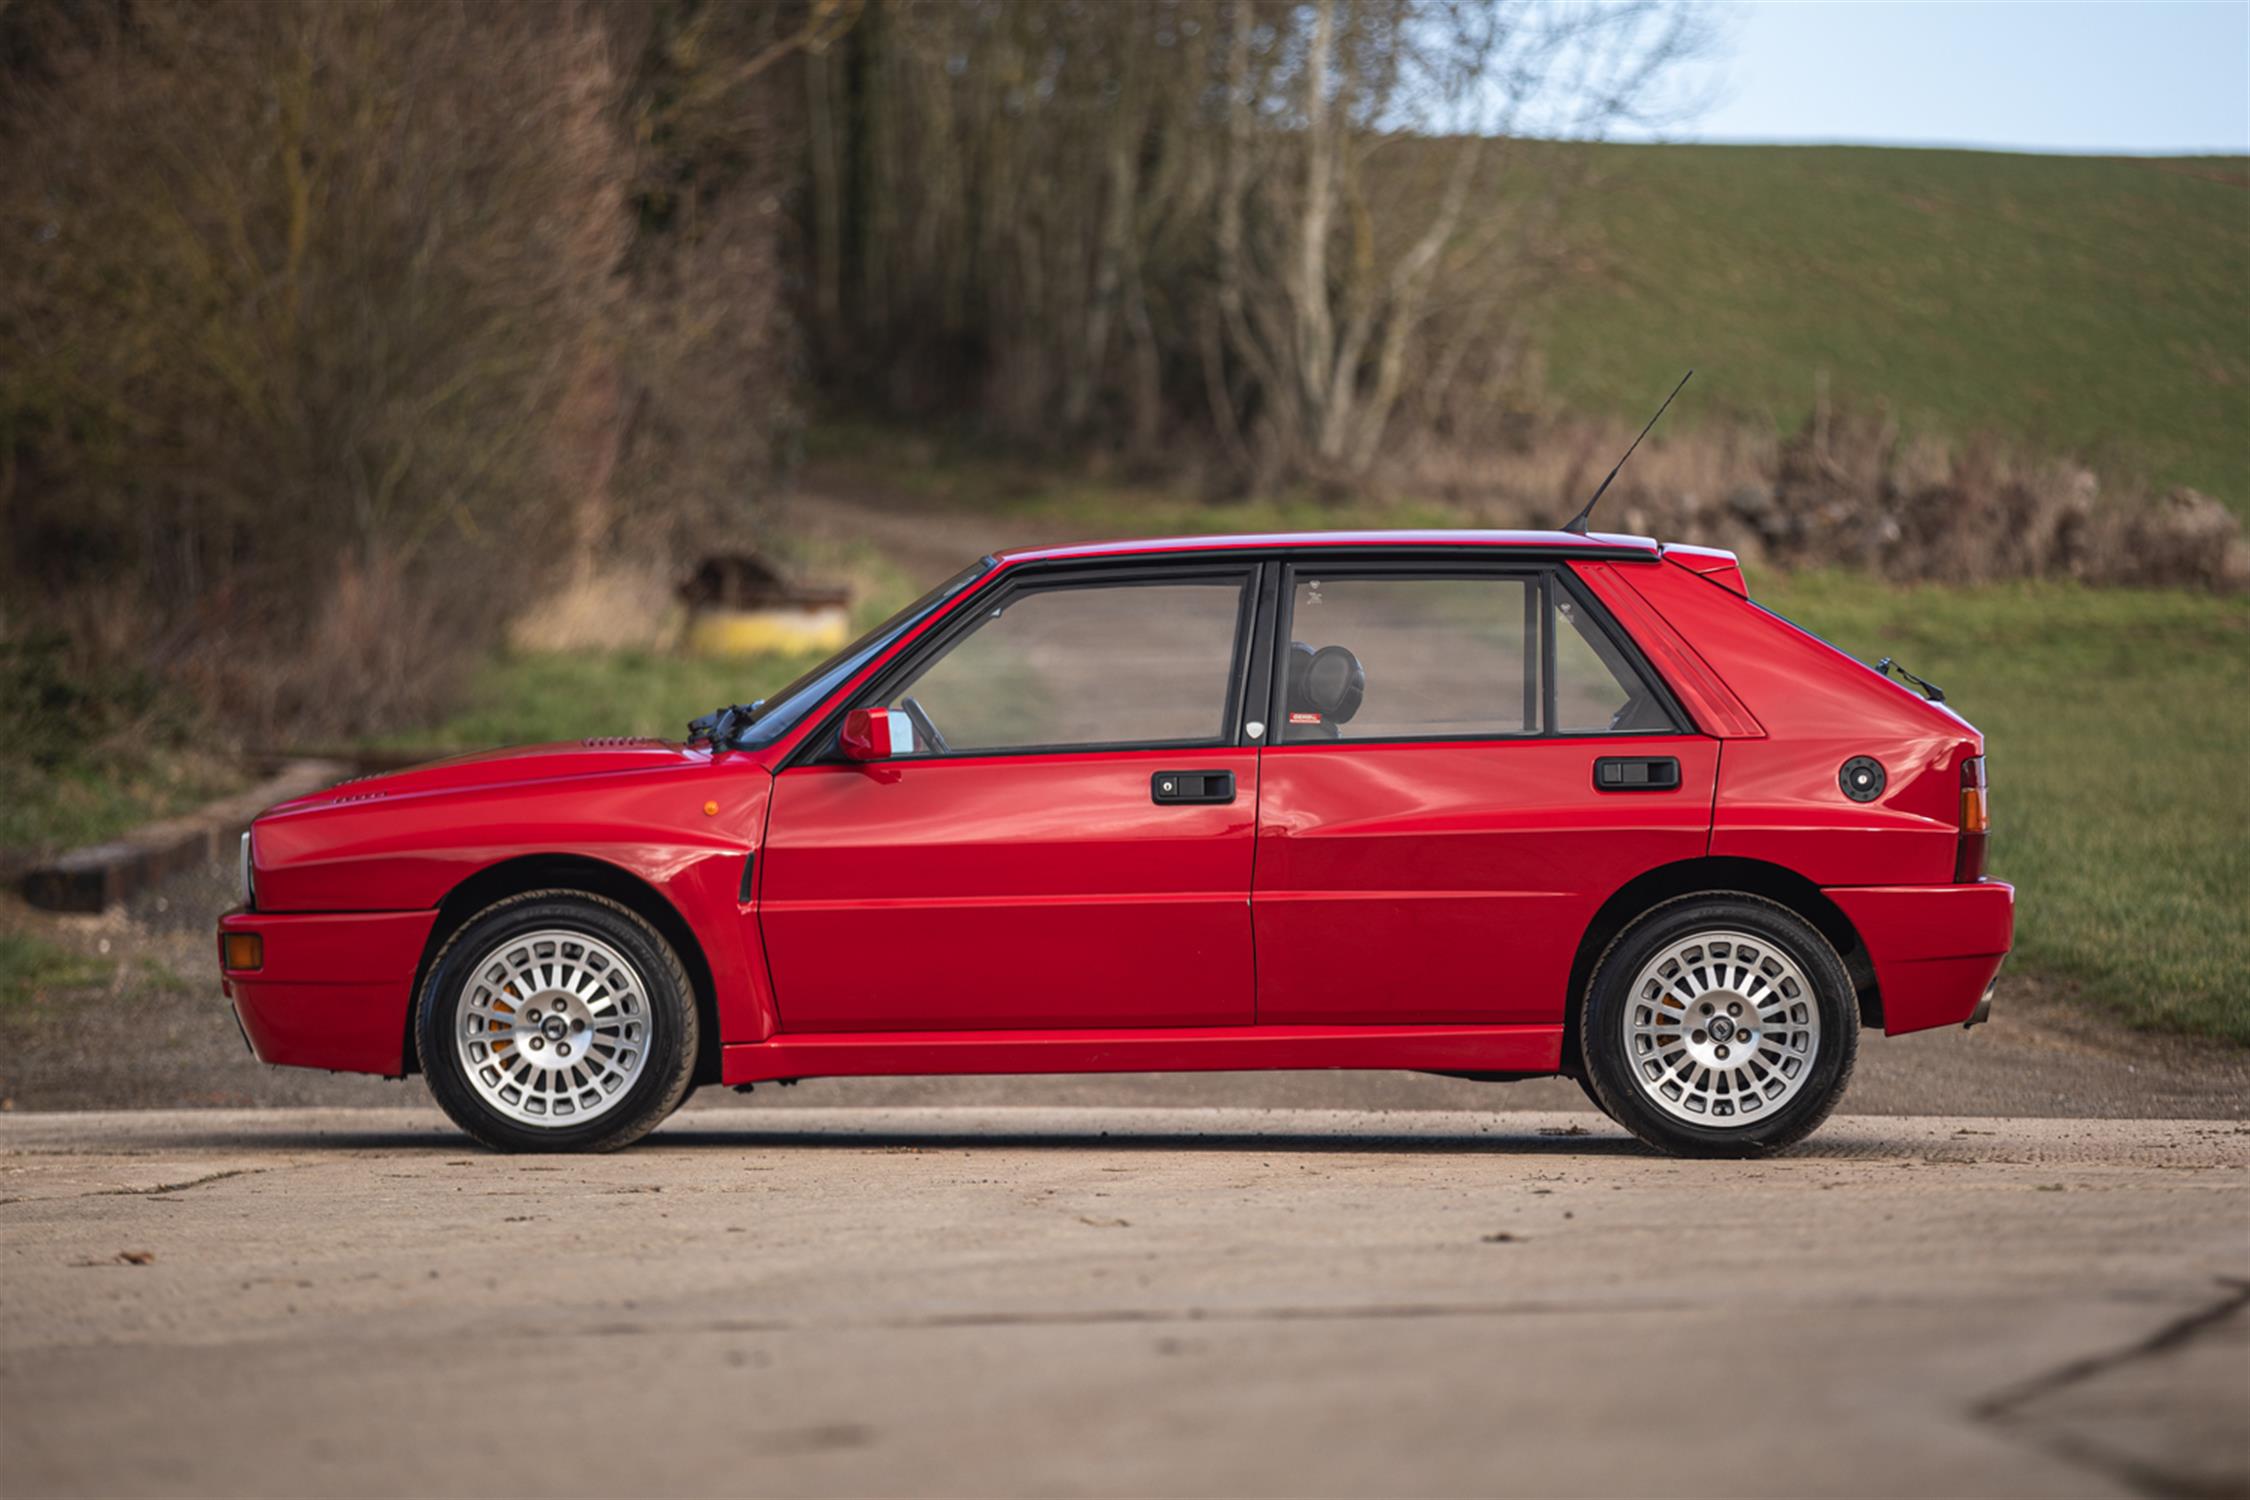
(1041,1301)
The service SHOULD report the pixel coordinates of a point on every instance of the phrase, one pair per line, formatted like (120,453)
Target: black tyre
(1719,1025)
(557,1021)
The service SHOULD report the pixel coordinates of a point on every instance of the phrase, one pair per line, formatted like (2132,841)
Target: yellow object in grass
(718,631)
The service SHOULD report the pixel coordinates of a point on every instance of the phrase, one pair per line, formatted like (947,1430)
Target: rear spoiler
(1722,568)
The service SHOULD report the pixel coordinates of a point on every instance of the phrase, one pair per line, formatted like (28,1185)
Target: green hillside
(2090,306)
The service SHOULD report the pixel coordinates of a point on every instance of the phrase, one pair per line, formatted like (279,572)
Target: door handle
(1636,773)
(1191,786)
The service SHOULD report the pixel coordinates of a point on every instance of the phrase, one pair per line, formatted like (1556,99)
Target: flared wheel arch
(538,872)
(1713,877)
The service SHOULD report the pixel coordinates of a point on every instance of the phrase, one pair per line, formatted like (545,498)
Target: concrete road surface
(1087,1301)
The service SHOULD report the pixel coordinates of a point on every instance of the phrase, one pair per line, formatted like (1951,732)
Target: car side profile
(1490,804)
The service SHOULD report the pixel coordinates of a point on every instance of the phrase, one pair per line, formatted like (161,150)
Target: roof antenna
(1577,524)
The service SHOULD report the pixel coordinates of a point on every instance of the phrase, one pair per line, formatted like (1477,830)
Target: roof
(1599,544)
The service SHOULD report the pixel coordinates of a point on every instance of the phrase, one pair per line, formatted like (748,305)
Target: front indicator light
(245,950)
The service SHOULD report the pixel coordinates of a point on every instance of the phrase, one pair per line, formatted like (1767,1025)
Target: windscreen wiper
(1930,690)
(720,727)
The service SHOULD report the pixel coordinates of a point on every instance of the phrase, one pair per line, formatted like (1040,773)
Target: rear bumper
(333,990)
(1935,948)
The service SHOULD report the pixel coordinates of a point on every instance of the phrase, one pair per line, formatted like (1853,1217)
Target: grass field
(2090,306)
(45,809)
(2117,728)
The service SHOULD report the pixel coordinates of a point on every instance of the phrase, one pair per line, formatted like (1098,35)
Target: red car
(1488,804)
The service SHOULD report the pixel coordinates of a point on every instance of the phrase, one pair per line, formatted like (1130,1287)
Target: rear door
(1067,845)
(1433,845)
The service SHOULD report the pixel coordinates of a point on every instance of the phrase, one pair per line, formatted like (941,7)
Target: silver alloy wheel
(1721,1028)
(552,1027)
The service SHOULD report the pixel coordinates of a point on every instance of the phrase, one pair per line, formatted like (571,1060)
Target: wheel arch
(538,872)
(1710,876)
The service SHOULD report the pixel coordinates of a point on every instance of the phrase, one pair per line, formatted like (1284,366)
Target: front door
(1467,764)
(1066,844)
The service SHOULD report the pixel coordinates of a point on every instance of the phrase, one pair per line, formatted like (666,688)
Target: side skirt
(1476,1049)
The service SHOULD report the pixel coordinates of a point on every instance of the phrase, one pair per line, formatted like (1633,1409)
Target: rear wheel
(1719,1026)
(557,1021)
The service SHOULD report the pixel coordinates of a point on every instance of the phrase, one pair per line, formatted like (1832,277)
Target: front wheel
(1719,1026)
(557,1021)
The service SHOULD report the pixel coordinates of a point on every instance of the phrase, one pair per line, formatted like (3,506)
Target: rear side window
(1081,666)
(1399,656)
(1411,658)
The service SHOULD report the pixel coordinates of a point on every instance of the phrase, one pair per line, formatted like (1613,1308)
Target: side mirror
(876,734)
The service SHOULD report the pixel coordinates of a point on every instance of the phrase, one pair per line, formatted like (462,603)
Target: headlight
(249,886)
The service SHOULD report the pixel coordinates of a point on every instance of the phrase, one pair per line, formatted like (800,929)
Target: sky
(2093,78)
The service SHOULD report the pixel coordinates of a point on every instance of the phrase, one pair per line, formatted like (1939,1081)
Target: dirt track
(1112,1302)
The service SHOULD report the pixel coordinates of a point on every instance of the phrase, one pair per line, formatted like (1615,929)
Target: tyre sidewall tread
(675,1025)
(1608,1070)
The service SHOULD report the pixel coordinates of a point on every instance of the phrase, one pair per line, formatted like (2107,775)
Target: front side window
(1078,666)
(1401,657)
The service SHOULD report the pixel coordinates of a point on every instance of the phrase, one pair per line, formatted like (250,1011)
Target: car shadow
(1235,1142)
(1562,1142)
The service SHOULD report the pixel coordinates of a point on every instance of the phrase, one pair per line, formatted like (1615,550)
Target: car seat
(1326,687)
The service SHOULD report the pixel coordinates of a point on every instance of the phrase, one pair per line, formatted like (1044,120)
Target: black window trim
(1251,574)
(1543,580)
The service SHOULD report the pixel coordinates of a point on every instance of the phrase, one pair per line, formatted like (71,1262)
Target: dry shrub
(298,300)
(616,607)
(1847,489)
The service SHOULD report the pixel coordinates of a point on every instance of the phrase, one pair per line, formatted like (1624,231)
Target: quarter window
(1597,689)
(1083,665)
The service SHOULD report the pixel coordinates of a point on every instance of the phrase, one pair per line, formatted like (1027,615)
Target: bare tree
(1278,222)
(1381,227)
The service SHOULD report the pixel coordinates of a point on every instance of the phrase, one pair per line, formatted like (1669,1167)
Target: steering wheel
(922,725)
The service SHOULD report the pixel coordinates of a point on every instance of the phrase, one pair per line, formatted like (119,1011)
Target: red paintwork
(325,995)
(888,889)
(640,812)
(1778,798)
(1408,905)
(1935,947)
(1450,883)
(1465,1049)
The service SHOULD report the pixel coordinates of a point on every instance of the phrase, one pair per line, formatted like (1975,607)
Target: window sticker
(1304,718)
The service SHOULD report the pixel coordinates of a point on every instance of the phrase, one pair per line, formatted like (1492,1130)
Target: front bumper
(1936,948)
(333,990)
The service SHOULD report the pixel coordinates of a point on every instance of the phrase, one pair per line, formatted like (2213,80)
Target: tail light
(1976,823)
